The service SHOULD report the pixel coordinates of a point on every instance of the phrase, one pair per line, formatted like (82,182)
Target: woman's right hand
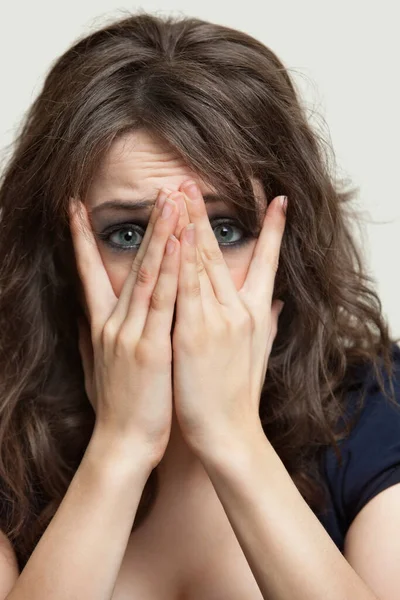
(127,353)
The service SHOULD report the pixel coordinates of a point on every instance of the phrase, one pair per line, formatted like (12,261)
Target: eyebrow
(120,205)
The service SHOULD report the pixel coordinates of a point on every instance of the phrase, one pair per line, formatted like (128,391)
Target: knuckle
(245,321)
(109,333)
(123,340)
(193,343)
(144,277)
(158,299)
(213,254)
(147,353)
(143,353)
(192,289)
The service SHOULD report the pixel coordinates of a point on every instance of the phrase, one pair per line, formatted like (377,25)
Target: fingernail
(171,245)
(167,209)
(283,202)
(189,234)
(164,193)
(74,207)
(180,201)
(191,190)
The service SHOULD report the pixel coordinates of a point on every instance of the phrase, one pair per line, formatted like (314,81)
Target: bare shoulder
(9,571)
(372,544)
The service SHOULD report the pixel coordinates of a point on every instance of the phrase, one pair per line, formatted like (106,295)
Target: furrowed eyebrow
(122,205)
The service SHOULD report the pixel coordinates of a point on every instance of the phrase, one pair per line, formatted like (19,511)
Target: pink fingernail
(167,209)
(283,202)
(164,193)
(170,249)
(180,201)
(191,190)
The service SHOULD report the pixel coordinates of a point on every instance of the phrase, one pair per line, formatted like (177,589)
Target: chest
(186,550)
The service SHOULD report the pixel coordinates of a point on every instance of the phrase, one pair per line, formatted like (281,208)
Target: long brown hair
(226,103)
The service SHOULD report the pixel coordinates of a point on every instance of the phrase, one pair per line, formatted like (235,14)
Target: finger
(98,292)
(86,354)
(207,292)
(125,296)
(189,306)
(183,213)
(259,283)
(207,245)
(162,304)
(149,270)
(276,310)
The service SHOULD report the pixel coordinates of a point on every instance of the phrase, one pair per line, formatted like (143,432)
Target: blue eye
(225,227)
(121,236)
(130,234)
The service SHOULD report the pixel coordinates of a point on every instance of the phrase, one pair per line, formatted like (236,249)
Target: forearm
(287,548)
(80,552)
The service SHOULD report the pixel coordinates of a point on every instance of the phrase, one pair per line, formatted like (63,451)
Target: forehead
(141,163)
(138,164)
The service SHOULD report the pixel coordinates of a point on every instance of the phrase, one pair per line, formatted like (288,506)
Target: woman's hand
(127,353)
(223,337)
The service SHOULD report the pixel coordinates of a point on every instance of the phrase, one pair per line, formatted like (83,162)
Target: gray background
(344,58)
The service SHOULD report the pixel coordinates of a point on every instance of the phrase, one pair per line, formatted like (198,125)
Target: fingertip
(171,246)
(282,200)
(76,211)
(277,307)
(72,206)
(189,234)
(162,196)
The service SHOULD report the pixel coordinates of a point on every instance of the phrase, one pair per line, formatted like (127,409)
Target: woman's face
(136,167)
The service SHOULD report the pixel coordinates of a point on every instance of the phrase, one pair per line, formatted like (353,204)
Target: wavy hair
(227,105)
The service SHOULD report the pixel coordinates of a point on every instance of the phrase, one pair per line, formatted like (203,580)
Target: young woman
(199,393)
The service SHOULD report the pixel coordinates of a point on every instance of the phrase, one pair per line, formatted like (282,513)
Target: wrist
(120,454)
(233,446)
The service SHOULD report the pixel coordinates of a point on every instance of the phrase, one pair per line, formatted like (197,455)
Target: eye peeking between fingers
(126,237)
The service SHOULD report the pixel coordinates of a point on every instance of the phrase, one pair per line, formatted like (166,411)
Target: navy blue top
(370,454)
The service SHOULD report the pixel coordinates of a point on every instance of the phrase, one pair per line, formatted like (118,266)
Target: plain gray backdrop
(343,56)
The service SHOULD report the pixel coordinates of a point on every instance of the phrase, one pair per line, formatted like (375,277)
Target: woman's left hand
(223,337)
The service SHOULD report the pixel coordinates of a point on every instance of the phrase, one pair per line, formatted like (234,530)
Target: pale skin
(232,455)
(138,166)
